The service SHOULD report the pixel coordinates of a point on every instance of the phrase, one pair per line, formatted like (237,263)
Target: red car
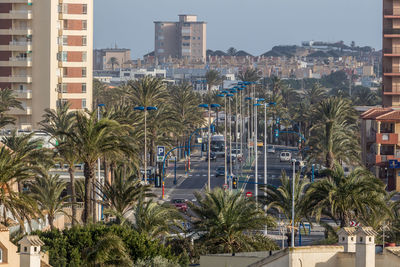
(180,204)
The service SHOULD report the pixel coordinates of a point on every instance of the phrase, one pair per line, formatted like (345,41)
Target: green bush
(66,247)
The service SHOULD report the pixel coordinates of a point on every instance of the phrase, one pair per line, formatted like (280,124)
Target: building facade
(46,55)
(111,59)
(183,39)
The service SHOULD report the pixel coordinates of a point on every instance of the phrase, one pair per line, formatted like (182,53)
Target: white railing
(23,12)
(20,43)
(20,59)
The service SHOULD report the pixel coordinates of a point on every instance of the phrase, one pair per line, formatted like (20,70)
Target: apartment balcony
(379,159)
(24,111)
(17,62)
(391,33)
(394,71)
(391,52)
(16,79)
(24,94)
(17,46)
(387,138)
(16,1)
(391,13)
(17,14)
(16,31)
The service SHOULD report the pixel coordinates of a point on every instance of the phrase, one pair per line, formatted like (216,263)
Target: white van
(285,156)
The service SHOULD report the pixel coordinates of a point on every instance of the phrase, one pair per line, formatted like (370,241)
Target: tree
(56,123)
(47,191)
(146,92)
(93,138)
(109,251)
(121,197)
(213,78)
(280,199)
(345,198)
(334,121)
(224,218)
(113,61)
(231,51)
(249,75)
(155,220)
(7,101)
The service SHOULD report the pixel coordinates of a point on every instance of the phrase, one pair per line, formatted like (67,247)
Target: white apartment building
(46,55)
(135,74)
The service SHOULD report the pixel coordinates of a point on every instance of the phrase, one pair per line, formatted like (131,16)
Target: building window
(84,72)
(83,87)
(370,239)
(65,72)
(65,40)
(352,238)
(84,9)
(361,239)
(63,56)
(60,8)
(83,103)
(35,249)
(1,255)
(343,238)
(84,25)
(25,249)
(84,56)
(65,24)
(84,41)
(198,38)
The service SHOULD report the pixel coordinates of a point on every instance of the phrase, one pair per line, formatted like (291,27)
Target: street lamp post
(145,109)
(248,125)
(96,196)
(208,107)
(293,183)
(225,94)
(255,150)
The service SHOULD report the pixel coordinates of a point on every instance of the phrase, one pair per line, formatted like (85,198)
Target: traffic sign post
(160,153)
(249,194)
(394,164)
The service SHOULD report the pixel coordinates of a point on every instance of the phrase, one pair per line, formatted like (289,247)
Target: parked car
(213,156)
(180,204)
(271,149)
(285,156)
(220,171)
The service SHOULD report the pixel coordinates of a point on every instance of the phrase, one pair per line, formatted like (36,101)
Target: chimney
(30,251)
(365,247)
(347,238)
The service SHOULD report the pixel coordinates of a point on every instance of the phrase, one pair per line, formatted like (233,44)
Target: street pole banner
(160,153)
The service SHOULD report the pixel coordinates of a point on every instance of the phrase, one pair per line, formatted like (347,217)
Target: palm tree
(92,139)
(224,220)
(280,199)
(108,251)
(47,191)
(155,220)
(231,51)
(7,101)
(344,198)
(146,92)
(13,170)
(213,78)
(249,75)
(334,119)
(121,197)
(55,123)
(113,61)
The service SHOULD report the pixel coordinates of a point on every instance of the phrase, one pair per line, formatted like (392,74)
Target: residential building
(46,50)
(111,59)
(356,247)
(135,74)
(380,126)
(183,39)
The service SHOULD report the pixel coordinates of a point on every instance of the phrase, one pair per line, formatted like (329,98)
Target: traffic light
(276,132)
(235,183)
(278,120)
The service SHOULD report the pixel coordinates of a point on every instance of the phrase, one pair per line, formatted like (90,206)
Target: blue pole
(300,235)
(175,172)
(312,173)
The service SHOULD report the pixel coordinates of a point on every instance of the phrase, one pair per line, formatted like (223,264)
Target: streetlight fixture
(145,109)
(209,139)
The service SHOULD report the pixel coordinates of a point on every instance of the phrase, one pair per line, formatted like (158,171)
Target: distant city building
(46,50)
(183,39)
(135,74)
(111,58)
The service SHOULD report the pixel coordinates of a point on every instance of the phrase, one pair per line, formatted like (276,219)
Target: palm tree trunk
(89,177)
(106,171)
(51,222)
(329,145)
(73,193)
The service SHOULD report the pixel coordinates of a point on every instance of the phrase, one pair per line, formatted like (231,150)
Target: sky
(251,25)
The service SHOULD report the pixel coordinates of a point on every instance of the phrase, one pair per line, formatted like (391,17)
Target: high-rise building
(183,39)
(380,126)
(46,51)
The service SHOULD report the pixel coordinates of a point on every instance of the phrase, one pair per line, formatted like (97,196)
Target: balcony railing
(391,31)
(394,50)
(392,11)
(21,59)
(20,43)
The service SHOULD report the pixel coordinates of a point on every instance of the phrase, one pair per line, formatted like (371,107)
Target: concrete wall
(10,255)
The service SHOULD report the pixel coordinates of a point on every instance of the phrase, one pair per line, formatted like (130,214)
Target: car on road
(180,204)
(213,156)
(285,156)
(271,149)
(236,154)
(220,171)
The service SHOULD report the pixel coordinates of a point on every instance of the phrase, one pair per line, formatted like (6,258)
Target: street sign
(354,223)
(249,194)
(394,164)
(225,186)
(160,153)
